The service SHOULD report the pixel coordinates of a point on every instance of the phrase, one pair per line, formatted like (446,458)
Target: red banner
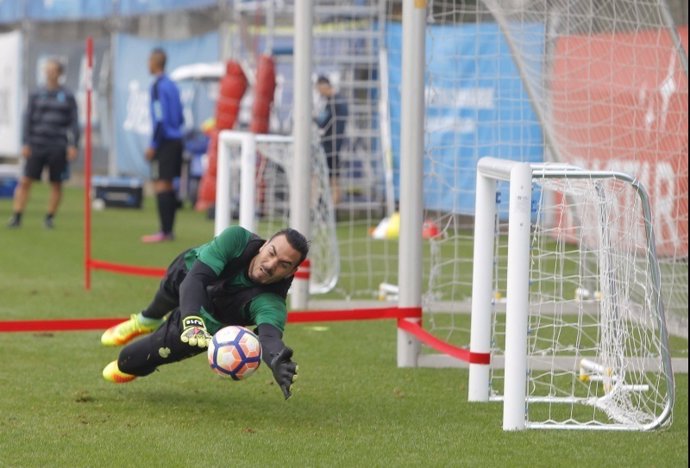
(620,102)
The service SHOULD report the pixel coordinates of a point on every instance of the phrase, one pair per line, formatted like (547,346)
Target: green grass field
(351,407)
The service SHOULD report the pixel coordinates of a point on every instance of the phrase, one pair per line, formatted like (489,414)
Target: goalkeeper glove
(194,332)
(284,370)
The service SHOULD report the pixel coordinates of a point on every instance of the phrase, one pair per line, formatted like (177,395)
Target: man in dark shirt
(332,121)
(165,149)
(50,139)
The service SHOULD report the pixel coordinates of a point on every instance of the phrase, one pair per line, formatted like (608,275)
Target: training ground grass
(351,406)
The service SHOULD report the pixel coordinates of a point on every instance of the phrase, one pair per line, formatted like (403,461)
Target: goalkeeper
(235,279)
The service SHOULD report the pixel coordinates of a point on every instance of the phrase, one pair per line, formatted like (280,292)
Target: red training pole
(87,166)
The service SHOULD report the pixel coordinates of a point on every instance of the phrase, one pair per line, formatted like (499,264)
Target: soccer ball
(234,352)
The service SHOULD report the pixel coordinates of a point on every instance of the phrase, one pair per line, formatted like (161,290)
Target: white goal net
(601,85)
(595,346)
(274,174)
(265,207)
(598,84)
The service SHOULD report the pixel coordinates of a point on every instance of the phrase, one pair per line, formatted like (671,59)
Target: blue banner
(474,108)
(11,11)
(139,7)
(131,91)
(52,10)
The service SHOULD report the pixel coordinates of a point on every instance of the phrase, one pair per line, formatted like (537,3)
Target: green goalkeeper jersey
(265,307)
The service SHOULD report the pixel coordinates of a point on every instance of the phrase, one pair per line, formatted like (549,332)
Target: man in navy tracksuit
(332,121)
(165,149)
(50,139)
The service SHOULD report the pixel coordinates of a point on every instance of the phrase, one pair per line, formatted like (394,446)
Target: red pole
(87,166)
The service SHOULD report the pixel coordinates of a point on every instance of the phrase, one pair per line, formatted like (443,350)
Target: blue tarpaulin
(11,11)
(142,7)
(51,10)
(476,106)
(14,11)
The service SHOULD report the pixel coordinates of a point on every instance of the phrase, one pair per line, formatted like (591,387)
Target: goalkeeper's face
(276,260)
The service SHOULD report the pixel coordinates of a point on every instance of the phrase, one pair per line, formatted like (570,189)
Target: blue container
(7,186)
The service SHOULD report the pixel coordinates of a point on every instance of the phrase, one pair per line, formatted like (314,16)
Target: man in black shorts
(235,279)
(165,149)
(50,139)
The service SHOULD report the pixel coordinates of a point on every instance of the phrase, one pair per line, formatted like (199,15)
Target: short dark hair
(160,53)
(296,240)
(322,79)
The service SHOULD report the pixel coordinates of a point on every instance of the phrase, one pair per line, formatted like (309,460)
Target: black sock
(167,205)
(49,216)
(17,216)
(172,210)
(160,203)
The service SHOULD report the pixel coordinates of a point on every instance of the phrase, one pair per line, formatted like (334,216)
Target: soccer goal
(580,340)
(254,182)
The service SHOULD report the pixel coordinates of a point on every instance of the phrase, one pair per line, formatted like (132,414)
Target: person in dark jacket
(332,121)
(50,139)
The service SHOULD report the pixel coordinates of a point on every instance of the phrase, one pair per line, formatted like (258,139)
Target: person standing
(332,121)
(50,138)
(165,150)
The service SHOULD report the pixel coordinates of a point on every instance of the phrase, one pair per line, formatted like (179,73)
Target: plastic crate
(118,192)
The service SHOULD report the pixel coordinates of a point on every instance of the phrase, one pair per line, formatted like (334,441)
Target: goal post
(570,362)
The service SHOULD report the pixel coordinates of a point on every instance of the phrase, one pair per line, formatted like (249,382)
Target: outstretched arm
(193,289)
(278,357)
(193,299)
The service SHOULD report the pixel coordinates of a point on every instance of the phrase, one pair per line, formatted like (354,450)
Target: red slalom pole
(87,165)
